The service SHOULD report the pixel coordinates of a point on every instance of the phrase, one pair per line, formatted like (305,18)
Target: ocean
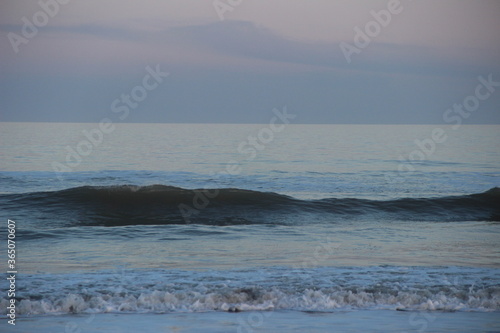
(273,227)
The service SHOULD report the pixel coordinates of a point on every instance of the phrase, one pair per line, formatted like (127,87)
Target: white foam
(428,289)
(308,300)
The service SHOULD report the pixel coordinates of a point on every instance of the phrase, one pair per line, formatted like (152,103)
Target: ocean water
(252,228)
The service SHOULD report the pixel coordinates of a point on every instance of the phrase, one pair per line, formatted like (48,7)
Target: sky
(234,61)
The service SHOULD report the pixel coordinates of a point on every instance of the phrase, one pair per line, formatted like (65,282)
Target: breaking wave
(390,288)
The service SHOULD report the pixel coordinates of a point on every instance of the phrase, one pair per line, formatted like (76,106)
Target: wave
(256,299)
(391,288)
(161,204)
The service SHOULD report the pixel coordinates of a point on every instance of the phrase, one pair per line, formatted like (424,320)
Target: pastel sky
(233,61)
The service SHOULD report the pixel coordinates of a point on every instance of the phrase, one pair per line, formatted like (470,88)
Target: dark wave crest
(161,204)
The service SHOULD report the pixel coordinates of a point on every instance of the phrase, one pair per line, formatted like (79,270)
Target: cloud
(236,45)
(237,69)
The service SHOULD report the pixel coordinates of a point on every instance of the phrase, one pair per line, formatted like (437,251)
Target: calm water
(183,218)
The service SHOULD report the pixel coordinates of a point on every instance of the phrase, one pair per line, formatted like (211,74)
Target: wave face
(160,204)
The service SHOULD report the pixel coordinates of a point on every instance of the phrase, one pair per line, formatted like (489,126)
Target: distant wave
(159,204)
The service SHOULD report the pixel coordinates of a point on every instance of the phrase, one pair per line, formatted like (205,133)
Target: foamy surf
(264,289)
